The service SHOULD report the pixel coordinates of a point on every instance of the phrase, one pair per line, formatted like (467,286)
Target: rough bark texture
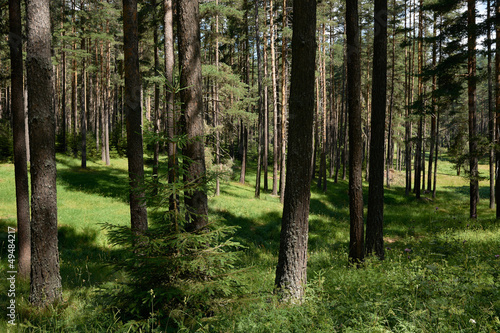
(356,246)
(19,131)
(291,271)
(418,144)
(491,117)
(471,46)
(45,276)
(170,96)
(133,113)
(192,104)
(375,217)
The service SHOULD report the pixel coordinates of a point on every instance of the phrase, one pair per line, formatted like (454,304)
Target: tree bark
(170,97)
(491,117)
(291,272)
(471,82)
(45,276)
(19,132)
(356,246)
(260,124)
(133,112)
(418,146)
(83,101)
(192,115)
(283,107)
(375,217)
(275,101)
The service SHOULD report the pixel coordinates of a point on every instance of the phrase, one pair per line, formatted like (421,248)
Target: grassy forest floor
(441,272)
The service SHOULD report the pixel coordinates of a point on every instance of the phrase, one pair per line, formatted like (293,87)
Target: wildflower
(472,321)
(437,208)
(388,248)
(407,250)
(497,256)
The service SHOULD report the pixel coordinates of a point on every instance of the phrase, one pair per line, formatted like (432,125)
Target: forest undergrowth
(441,272)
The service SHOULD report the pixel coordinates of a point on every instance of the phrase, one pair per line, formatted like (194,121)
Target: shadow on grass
(83,263)
(103,181)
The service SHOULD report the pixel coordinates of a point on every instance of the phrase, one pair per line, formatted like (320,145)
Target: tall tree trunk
(375,217)
(170,97)
(19,132)
(390,149)
(246,74)
(259,103)
(64,122)
(216,108)
(491,116)
(156,107)
(74,84)
(192,116)
(291,272)
(471,82)
(275,100)
(133,112)
(434,110)
(418,146)
(265,110)
(356,246)
(107,98)
(408,149)
(283,107)
(45,276)
(83,101)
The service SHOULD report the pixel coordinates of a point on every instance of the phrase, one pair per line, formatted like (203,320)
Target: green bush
(171,271)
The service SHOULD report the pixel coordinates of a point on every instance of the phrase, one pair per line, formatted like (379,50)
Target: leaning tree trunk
(192,115)
(45,276)
(133,112)
(19,131)
(291,272)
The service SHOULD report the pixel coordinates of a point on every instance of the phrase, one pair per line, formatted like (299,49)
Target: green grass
(448,282)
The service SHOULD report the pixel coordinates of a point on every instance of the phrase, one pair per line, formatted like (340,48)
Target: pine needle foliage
(167,268)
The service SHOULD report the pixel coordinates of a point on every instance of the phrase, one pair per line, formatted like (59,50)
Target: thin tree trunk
(216,108)
(390,151)
(156,107)
(170,97)
(265,109)
(259,103)
(418,146)
(491,116)
(471,66)
(275,100)
(19,133)
(283,107)
(83,101)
